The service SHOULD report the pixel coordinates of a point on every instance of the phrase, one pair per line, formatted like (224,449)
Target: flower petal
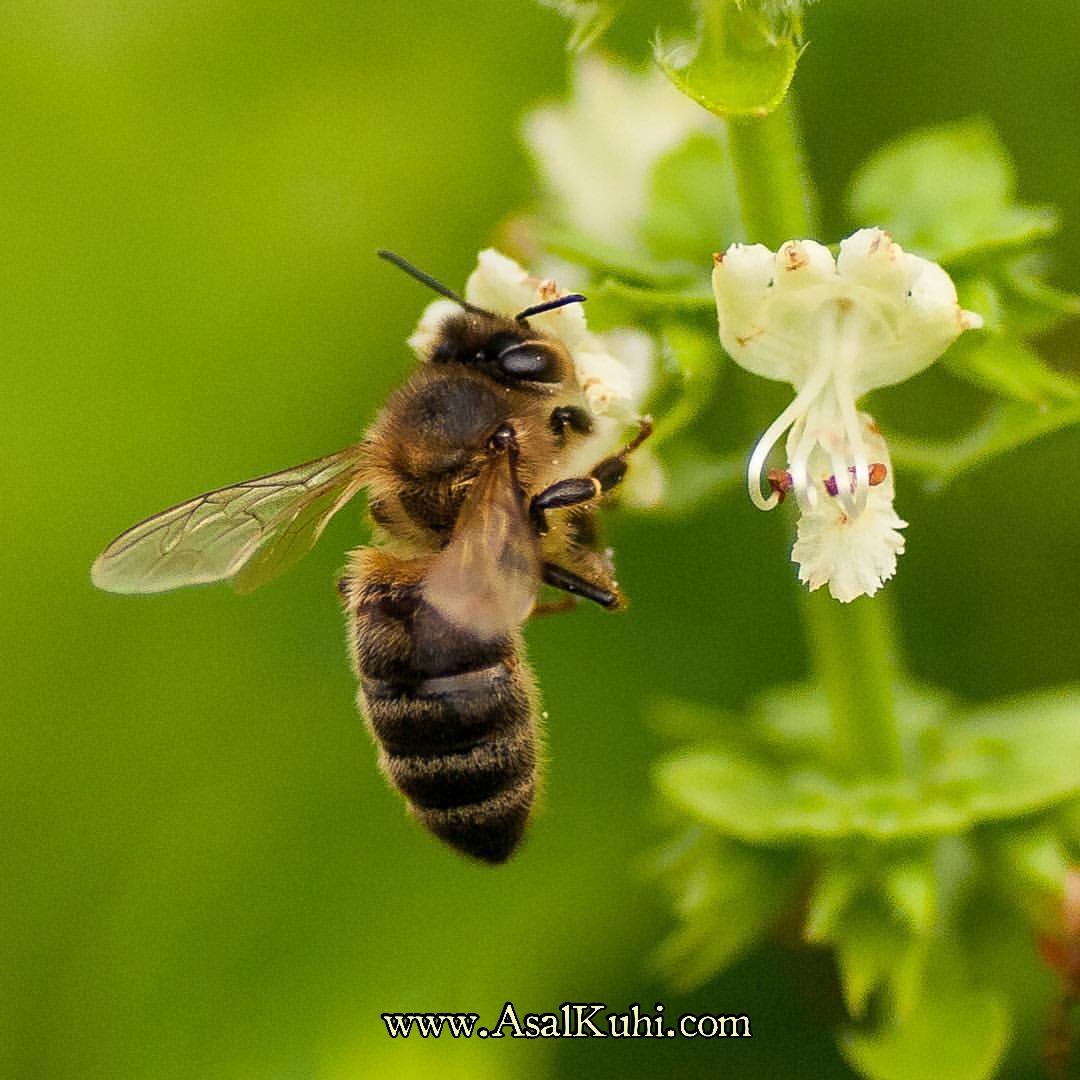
(853,553)
(595,154)
(780,316)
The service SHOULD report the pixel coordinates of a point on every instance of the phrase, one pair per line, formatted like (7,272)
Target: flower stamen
(878,472)
(779,481)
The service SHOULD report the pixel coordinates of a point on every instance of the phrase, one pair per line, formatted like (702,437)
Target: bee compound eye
(526,360)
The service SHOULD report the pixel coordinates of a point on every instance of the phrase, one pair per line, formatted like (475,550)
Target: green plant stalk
(850,645)
(774,202)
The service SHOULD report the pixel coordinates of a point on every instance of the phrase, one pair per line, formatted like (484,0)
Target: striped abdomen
(453,715)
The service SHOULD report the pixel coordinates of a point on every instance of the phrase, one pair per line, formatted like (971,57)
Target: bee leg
(612,469)
(570,416)
(582,489)
(553,607)
(571,583)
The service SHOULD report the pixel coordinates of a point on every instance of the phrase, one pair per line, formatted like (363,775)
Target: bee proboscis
(471,515)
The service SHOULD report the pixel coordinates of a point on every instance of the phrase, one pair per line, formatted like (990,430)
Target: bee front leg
(576,490)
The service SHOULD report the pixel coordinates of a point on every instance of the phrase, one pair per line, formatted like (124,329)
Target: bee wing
(249,532)
(485,579)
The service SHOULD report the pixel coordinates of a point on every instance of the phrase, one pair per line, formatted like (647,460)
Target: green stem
(773,199)
(850,644)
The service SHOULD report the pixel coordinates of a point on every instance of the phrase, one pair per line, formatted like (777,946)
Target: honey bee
(470,515)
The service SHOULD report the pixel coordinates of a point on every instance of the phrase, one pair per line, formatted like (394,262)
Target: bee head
(505,348)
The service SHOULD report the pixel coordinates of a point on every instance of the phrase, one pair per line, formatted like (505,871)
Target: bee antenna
(549,305)
(425,279)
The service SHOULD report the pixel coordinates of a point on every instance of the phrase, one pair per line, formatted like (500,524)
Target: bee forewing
(268,522)
(485,580)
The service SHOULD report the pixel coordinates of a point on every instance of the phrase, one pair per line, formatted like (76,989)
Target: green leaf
(835,888)
(875,950)
(724,895)
(739,68)
(911,888)
(953,1033)
(693,207)
(635,302)
(1034,306)
(695,474)
(1004,428)
(1011,297)
(591,19)
(699,362)
(948,193)
(879,914)
(1007,366)
(1030,863)
(629,265)
(996,766)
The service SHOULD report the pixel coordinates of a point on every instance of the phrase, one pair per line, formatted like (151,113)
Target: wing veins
(213,536)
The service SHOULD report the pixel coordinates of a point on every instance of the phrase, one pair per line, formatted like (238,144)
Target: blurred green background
(203,873)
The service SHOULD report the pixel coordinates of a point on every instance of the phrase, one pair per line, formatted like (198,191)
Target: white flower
(835,329)
(595,154)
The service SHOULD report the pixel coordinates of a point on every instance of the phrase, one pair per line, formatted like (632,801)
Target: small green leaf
(880,917)
(953,1033)
(911,889)
(1007,366)
(699,361)
(874,950)
(947,193)
(591,18)
(1004,428)
(640,302)
(1003,764)
(629,265)
(693,206)
(835,888)
(1012,298)
(1030,862)
(739,68)
(1034,306)
(724,895)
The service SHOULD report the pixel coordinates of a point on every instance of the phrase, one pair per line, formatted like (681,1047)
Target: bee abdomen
(477,800)
(452,780)
(490,830)
(462,749)
(453,713)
